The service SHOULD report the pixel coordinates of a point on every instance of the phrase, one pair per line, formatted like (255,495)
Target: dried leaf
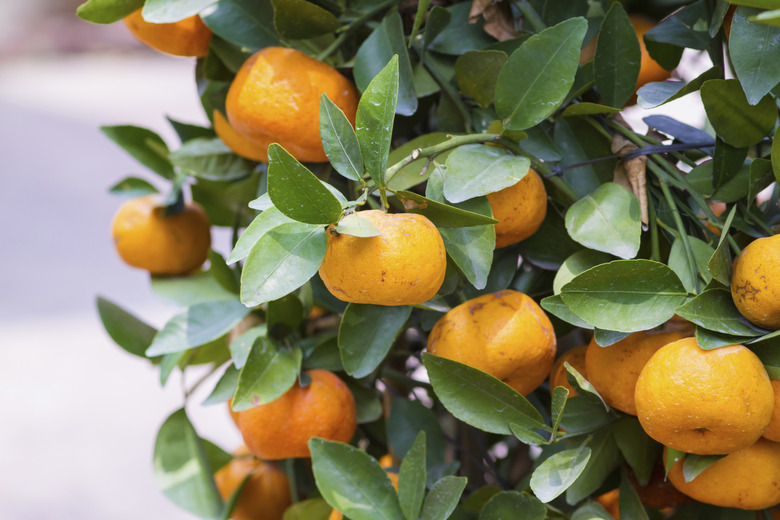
(499,22)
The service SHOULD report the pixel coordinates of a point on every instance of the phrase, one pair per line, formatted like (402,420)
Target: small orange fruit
(576,358)
(405,265)
(188,37)
(613,370)
(256,150)
(755,285)
(519,209)
(266,494)
(145,238)
(275,98)
(282,428)
(611,502)
(772,431)
(708,402)
(649,70)
(505,334)
(748,478)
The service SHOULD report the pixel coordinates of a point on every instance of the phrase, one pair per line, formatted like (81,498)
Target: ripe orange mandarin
(576,358)
(188,37)
(772,431)
(755,284)
(520,209)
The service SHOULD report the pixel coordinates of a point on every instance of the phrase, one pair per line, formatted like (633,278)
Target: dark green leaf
(406,420)
(640,451)
(107,11)
(735,121)
(585,108)
(366,334)
(369,407)
(301,20)
(211,159)
(479,399)
(513,505)
(226,202)
(527,436)
(720,262)
(262,224)
(534,81)
(761,176)
(629,504)
(538,144)
(695,464)
(558,405)
(352,482)
(584,415)
(753,48)
(269,372)
(557,473)
(578,143)
(284,315)
(246,23)
(442,215)
(458,35)
(167,11)
(127,331)
(285,258)
(144,146)
(478,169)
(132,187)
(225,387)
(714,309)
(605,338)
(726,162)
(687,27)
(477,73)
(339,140)
(187,131)
(419,17)
(411,479)
(657,93)
(223,274)
(708,340)
(625,295)
(591,511)
(604,459)
(182,469)
(678,261)
(685,133)
(438,20)
(617,59)
(309,509)
(443,498)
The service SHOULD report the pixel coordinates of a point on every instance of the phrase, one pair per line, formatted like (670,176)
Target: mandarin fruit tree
(428,204)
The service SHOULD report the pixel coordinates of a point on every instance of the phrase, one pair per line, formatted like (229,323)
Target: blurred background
(79,415)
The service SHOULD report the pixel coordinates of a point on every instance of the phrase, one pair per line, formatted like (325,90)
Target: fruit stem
(530,14)
(383,196)
(692,265)
(333,47)
(655,250)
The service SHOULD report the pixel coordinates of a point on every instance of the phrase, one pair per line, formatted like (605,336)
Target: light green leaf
(269,372)
(357,226)
(557,473)
(411,479)
(127,331)
(374,120)
(478,169)
(339,141)
(442,498)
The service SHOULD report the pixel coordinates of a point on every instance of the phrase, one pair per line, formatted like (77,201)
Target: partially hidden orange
(755,282)
(576,358)
(188,37)
(520,209)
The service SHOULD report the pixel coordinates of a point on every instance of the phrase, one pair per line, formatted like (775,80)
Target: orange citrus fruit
(613,370)
(266,494)
(282,428)
(275,98)
(708,402)
(576,358)
(755,284)
(505,334)
(519,209)
(405,265)
(257,150)
(188,37)
(145,238)
(748,478)
(772,431)
(649,70)
(611,502)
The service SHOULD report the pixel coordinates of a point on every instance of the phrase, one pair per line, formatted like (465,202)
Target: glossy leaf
(413,174)
(557,473)
(442,215)
(369,407)
(687,27)
(578,144)
(166,11)
(534,81)
(132,187)
(720,262)
(127,331)
(658,93)
(224,275)
(211,159)
(629,504)
(607,220)
(225,387)
(442,498)
(246,23)
(339,140)
(262,224)
(189,290)
(411,479)
(735,121)
(144,146)
(640,451)
(353,482)
(477,73)
(578,263)
(357,226)
(456,34)
(753,48)
(695,464)
(761,176)
(282,260)
(678,261)
(550,245)
(649,292)
(477,169)
(408,418)
(586,108)
(374,120)
(583,415)
(269,372)
(726,162)
(477,398)
(555,306)
(604,459)
(685,133)
(714,309)
(617,59)
(301,20)
(107,11)
(366,334)
(182,470)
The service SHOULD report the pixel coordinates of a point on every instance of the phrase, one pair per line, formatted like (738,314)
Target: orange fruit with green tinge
(505,334)
(405,265)
(755,284)
(188,37)
(520,209)
(275,98)
(576,358)
(163,245)
(708,402)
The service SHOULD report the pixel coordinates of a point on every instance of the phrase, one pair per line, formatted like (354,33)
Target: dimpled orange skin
(576,358)
(338,515)
(708,402)
(613,370)
(745,479)
(403,266)
(265,496)
(188,37)
(169,246)
(505,334)
(755,284)
(519,209)
(256,150)
(275,98)
(282,428)
(772,431)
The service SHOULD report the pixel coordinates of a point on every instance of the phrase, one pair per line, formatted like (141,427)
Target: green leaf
(753,48)
(189,290)
(197,325)
(443,497)
(555,306)
(167,11)
(735,121)
(585,415)
(514,505)
(225,387)
(285,315)
(419,17)
(369,407)
(224,275)
(442,215)
(226,202)
(726,162)
(411,479)
(284,258)
(658,93)
(648,296)
(366,334)
(527,436)
(583,387)
(578,143)
(761,176)
(767,17)
(557,473)
(187,131)
(578,263)
(132,187)
(617,60)
(630,506)
(479,399)
(269,372)
(374,120)
(211,159)
(478,169)
(301,20)
(714,309)
(412,174)
(558,404)
(678,261)
(357,226)
(408,418)
(477,73)
(297,192)
(688,27)
(353,482)
(438,20)
(591,511)
(708,340)
(720,262)
(107,11)
(182,470)
(607,220)
(640,451)
(386,43)
(309,509)
(262,224)
(586,108)
(604,459)
(127,331)
(339,140)
(245,23)
(455,33)
(535,80)
(144,146)
(695,464)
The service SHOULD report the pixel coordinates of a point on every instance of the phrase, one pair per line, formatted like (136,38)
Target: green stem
(530,14)
(692,265)
(334,46)
(655,249)
(383,196)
